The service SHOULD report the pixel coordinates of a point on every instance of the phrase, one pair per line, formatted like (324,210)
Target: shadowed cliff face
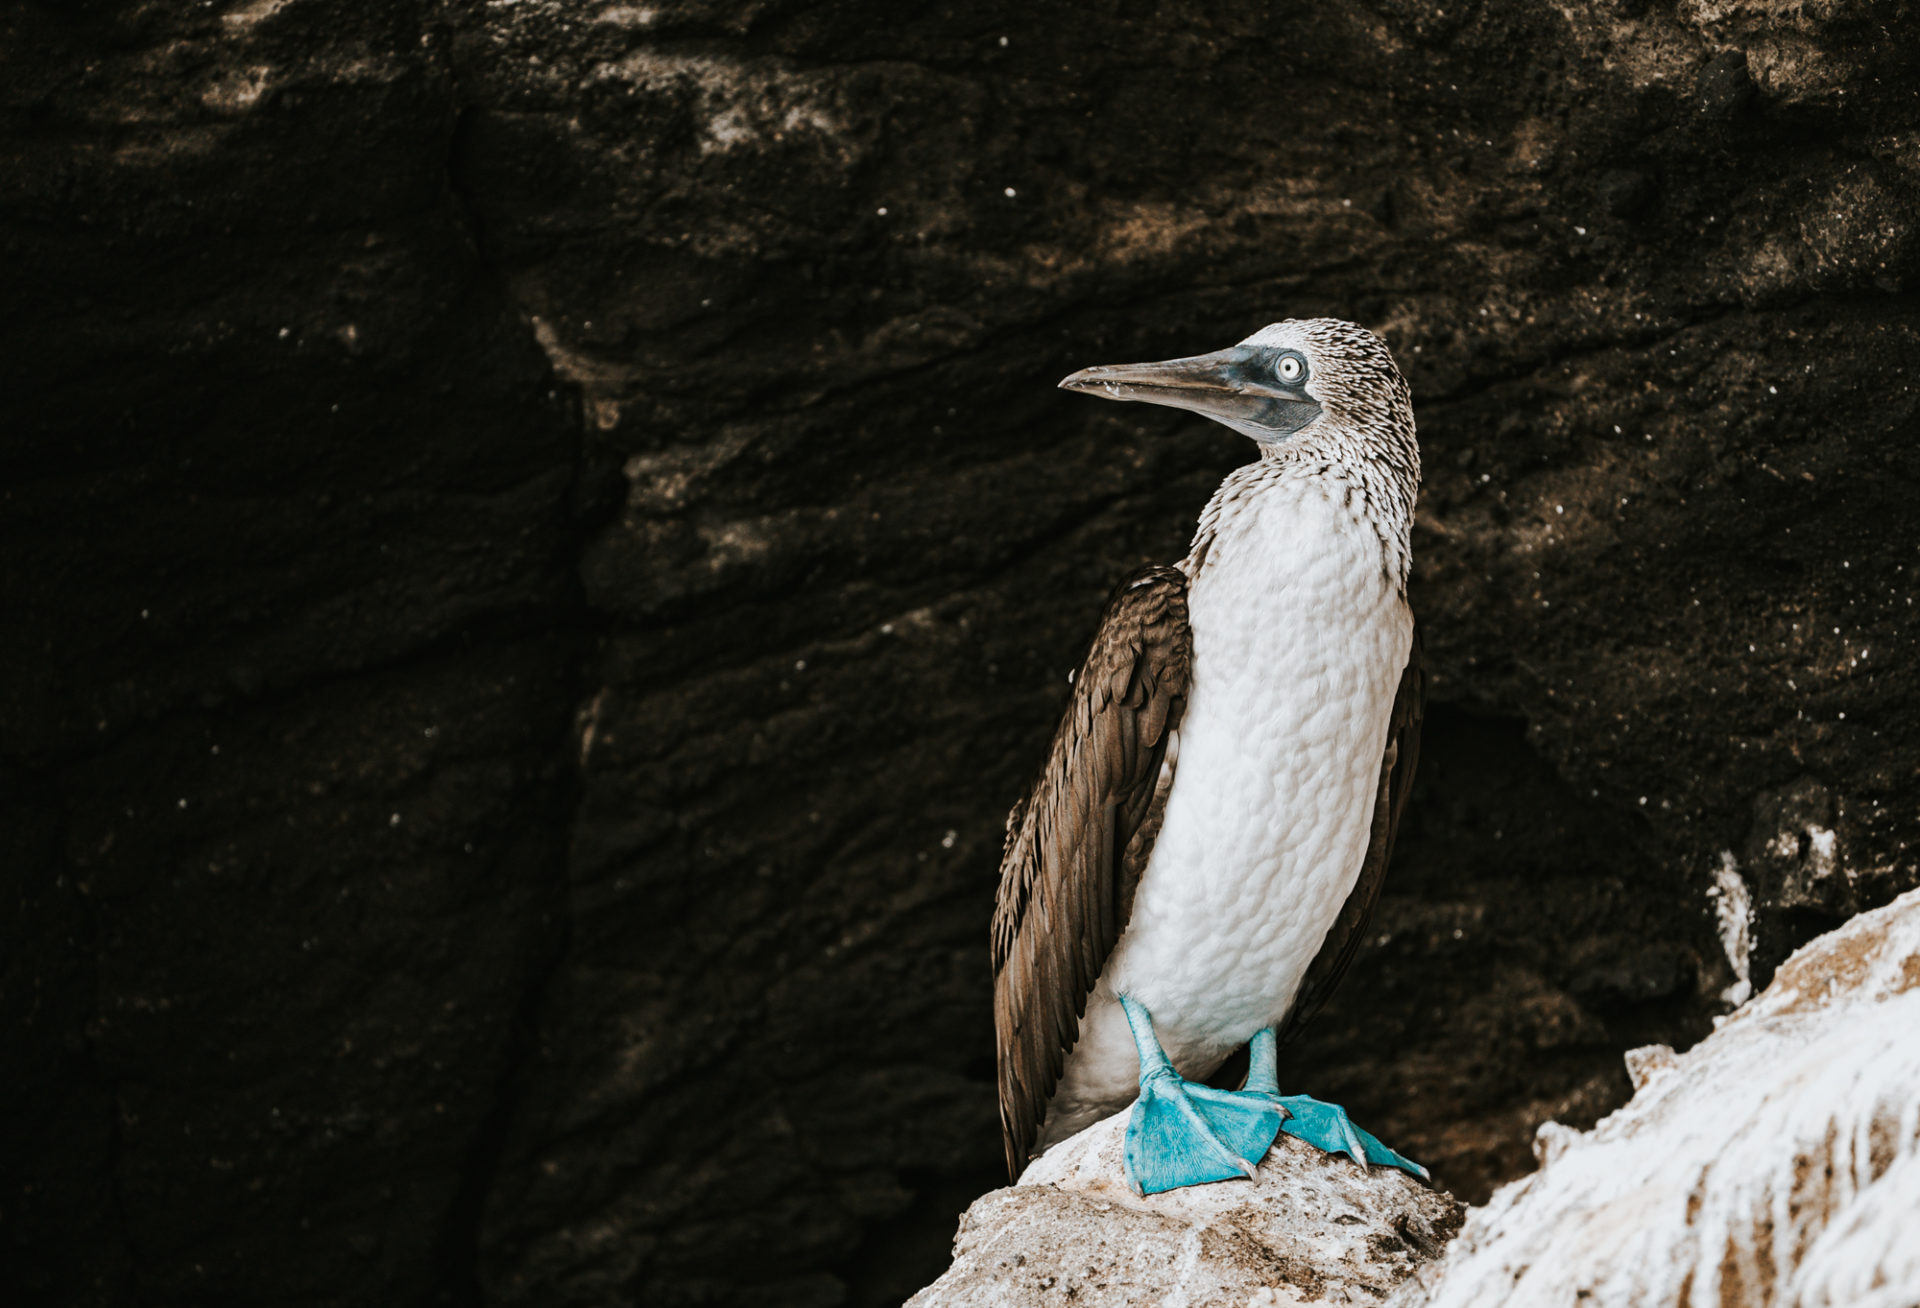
(593,472)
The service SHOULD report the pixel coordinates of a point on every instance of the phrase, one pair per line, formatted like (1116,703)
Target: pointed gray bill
(1238,387)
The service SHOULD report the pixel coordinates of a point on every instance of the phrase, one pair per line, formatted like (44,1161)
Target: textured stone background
(538,544)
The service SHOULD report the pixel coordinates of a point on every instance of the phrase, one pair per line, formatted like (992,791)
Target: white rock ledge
(1309,1229)
(1776,1163)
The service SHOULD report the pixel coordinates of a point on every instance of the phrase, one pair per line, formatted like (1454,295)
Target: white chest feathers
(1299,641)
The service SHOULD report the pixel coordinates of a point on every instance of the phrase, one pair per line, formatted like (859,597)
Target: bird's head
(1295,379)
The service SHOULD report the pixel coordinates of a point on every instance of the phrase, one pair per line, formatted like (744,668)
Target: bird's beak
(1232,386)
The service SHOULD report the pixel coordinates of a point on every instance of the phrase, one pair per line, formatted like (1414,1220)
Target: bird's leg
(1181,1133)
(1324,1126)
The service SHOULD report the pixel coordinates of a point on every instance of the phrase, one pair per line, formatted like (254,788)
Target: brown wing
(1396,783)
(1076,845)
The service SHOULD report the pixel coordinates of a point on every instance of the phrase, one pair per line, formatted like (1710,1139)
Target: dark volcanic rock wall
(292,643)
(591,471)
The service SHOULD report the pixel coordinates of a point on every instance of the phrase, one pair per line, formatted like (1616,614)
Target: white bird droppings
(1820,849)
(1734,907)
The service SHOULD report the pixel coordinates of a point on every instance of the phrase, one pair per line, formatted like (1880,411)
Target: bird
(1197,861)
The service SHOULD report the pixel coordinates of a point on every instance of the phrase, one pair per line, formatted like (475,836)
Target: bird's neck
(1378,494)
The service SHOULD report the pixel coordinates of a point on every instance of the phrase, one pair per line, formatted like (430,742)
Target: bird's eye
(1291,368)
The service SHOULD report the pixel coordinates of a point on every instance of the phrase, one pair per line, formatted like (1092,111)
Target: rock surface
(1773,1164)
(1308,1228)
(592,470)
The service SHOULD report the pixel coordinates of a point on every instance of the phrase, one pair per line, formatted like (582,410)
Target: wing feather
(1078,841)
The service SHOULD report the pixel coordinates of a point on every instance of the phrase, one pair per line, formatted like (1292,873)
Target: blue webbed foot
(1181,1133)
(1185,1134)
(1327,1127)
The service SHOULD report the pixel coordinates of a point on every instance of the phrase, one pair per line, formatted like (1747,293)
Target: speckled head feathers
(1363,435)
(1321,397)
(1349,371)
(1366,424)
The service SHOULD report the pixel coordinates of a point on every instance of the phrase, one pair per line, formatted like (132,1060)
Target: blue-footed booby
(1197,862)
